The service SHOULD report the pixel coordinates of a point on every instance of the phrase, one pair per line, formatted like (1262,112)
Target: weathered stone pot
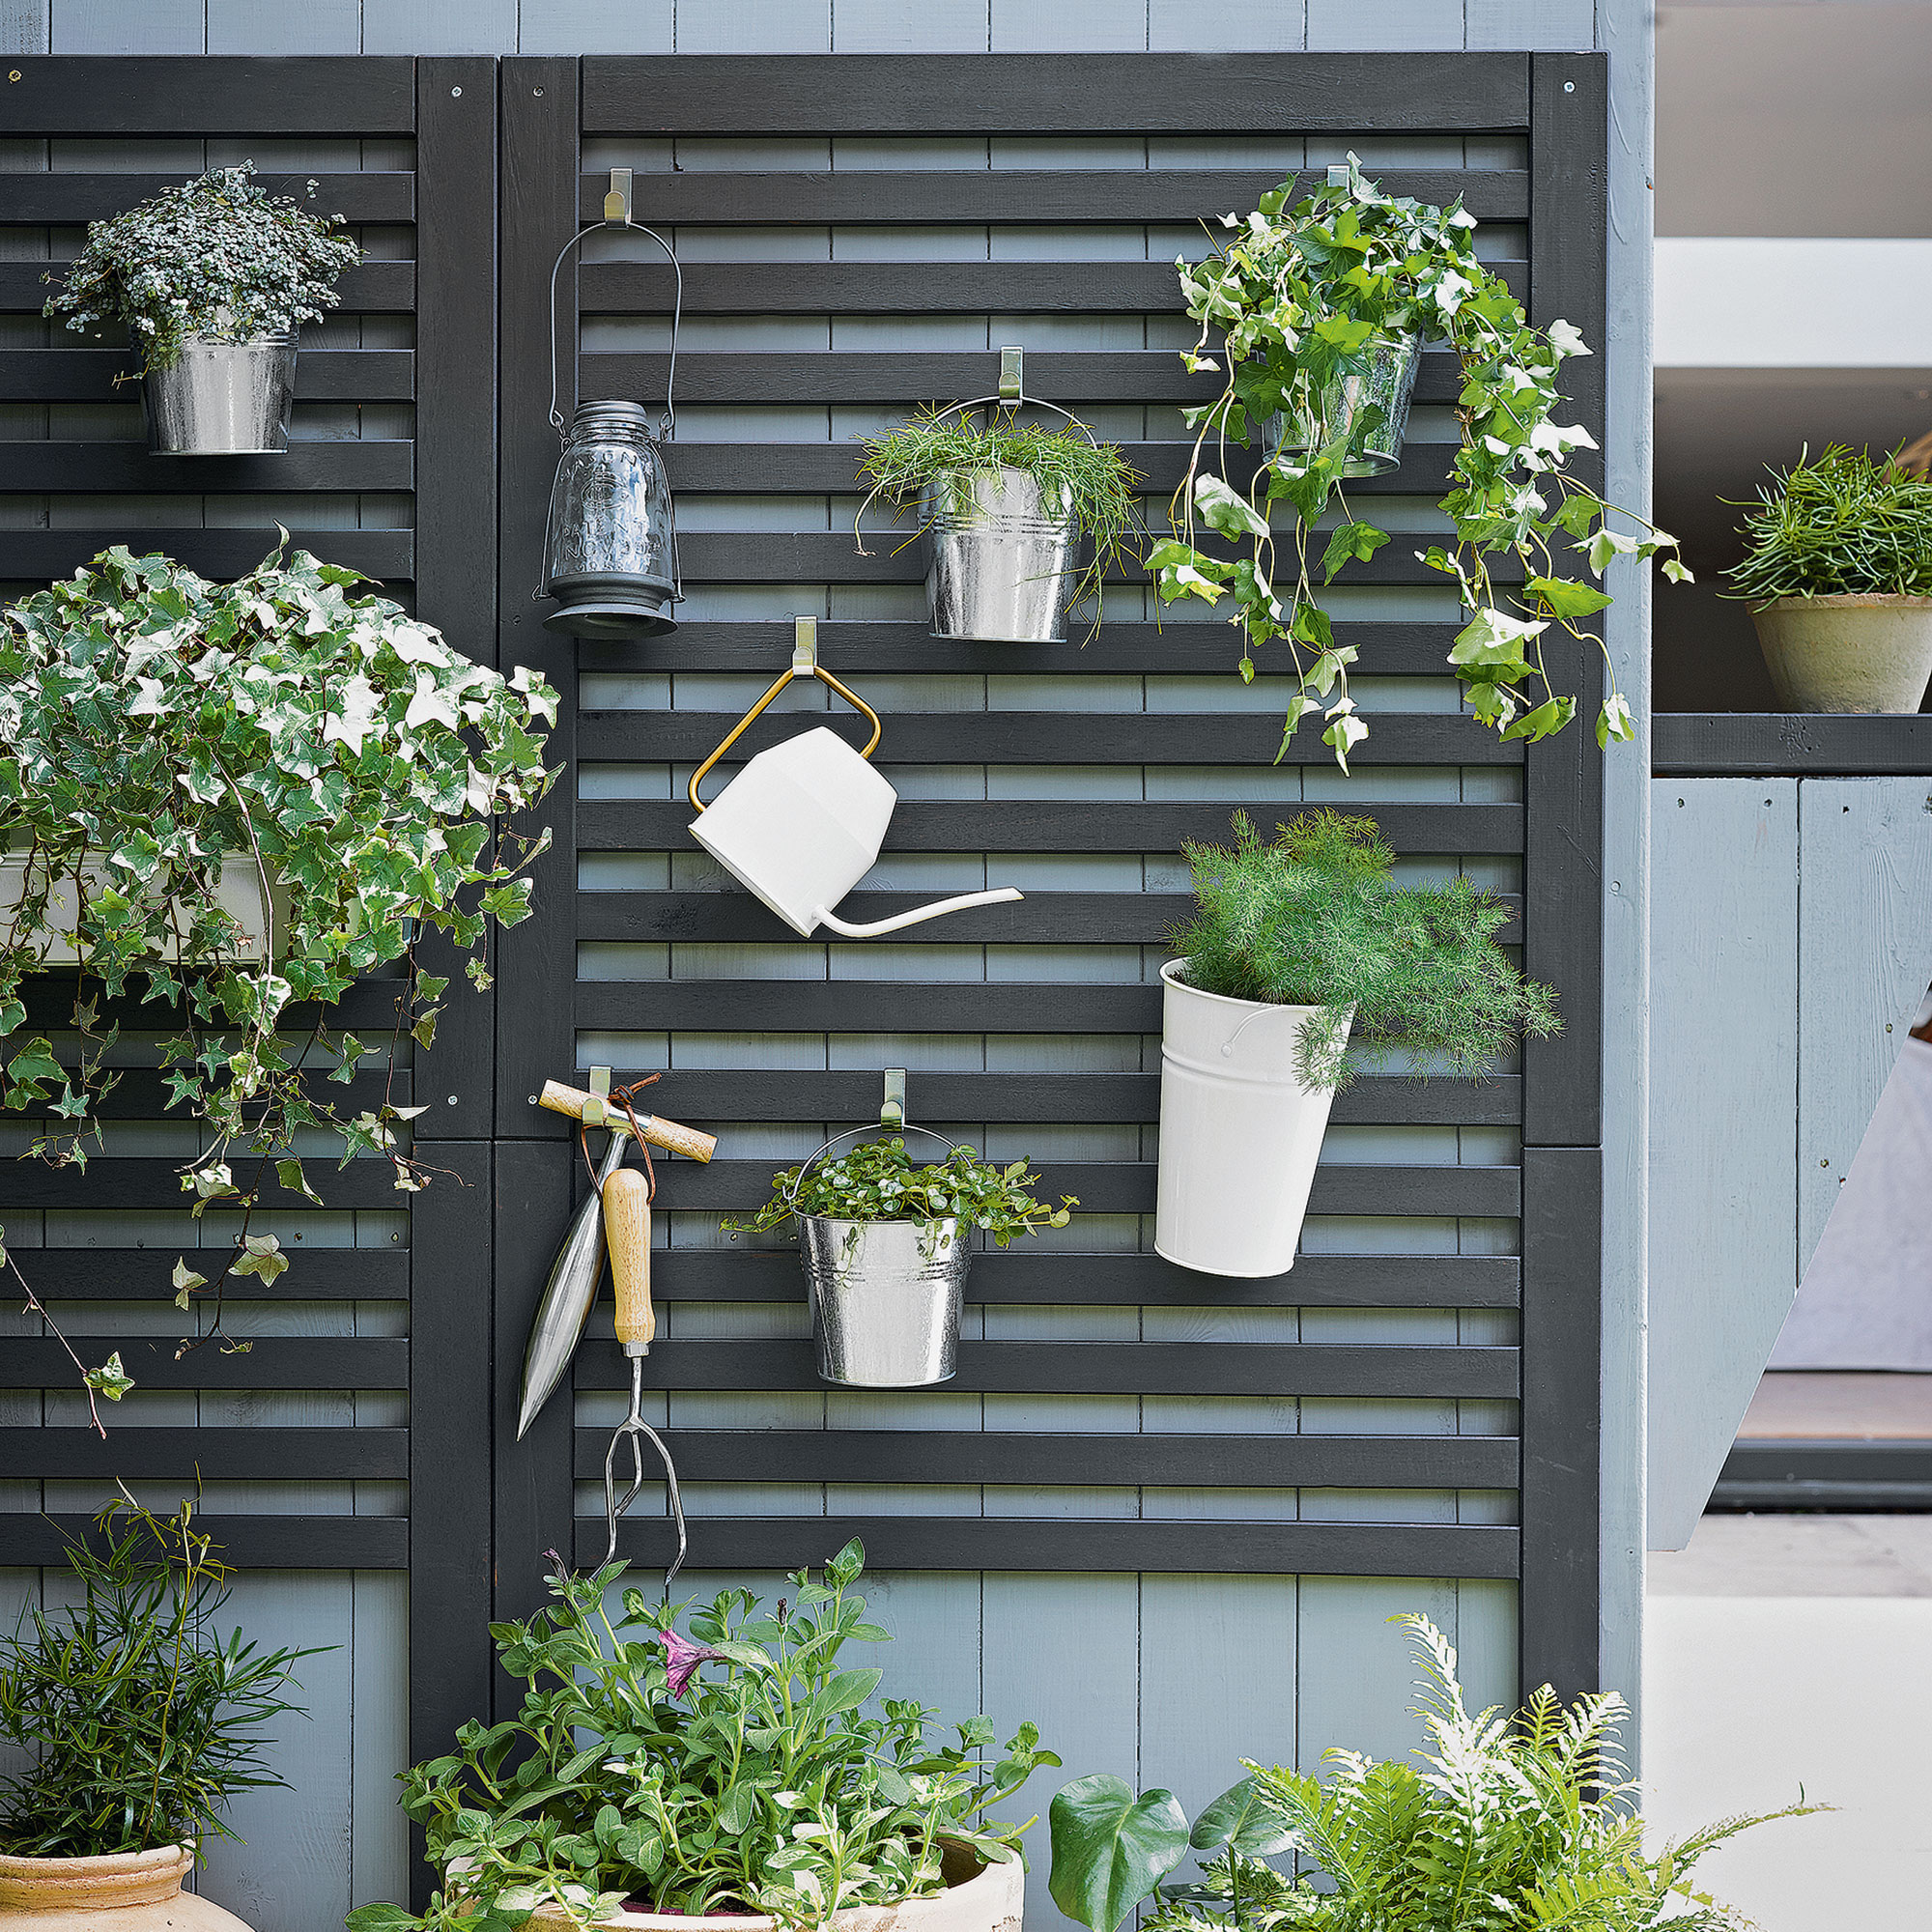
(977,1898)
(1855,652)
(124,1891)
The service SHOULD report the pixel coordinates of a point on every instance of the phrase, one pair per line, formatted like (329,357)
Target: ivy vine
(1306,293)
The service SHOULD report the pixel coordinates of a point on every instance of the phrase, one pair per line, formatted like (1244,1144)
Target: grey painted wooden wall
(1210,1667)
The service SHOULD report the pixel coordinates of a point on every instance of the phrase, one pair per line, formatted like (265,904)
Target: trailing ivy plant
(1840,523)
(942,450)
(158,731)
(879,1183)
(1308,292)
(1314,919)
(218,259)
(138,1722)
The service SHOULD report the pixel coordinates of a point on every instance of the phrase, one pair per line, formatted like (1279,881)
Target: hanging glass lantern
(611,540)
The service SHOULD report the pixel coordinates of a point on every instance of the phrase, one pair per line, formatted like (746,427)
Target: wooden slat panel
(141,1274)
(374,287)
(1742,744)
(1084,825)
(213,553)
(895,287)
(1095,1367)
(1032,94)
(157,1184)
(1041,919)
(1128,1187)
(1066,376)
(1056,737)
(1008,1544)
(141,1094)
(55,468)
(1174,1461)
(87,376)
(101,96)
(1024,1275)
(1120,648)
(1061,197)
(138,1454)
(67,200)
(271,1362)
(48,997)
(763,1093)
(245,1542)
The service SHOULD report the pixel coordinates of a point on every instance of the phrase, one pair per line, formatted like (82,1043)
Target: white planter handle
(1239,1134)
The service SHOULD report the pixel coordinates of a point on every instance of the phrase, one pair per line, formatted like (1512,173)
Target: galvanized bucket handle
(1012,394)
(617,214)
(803,664)
(878,1127)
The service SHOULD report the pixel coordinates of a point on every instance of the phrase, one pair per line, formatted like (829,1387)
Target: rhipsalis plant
(1837,524)
(1314,918)
(139,1721)
(878,1182)
(218,259)
(1307,293)
(172,751)
(1504,1824)
(740,1768)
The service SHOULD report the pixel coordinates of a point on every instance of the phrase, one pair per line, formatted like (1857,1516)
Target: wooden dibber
(627,1232)
(670,1135)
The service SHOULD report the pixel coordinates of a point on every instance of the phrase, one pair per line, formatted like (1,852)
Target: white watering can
(803,822)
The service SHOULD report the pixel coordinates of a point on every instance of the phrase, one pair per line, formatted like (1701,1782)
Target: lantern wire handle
(619,198)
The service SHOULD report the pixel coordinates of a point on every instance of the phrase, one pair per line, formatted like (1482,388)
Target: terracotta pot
(125,1891)
(1849,653)
(977,1898)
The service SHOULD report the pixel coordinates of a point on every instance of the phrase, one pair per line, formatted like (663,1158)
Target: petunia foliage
(1305,293)
(228,802)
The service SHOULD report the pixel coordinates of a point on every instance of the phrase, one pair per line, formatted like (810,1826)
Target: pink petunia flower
(682,1658)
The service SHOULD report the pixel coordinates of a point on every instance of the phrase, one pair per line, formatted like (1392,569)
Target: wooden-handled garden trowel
(572,1287)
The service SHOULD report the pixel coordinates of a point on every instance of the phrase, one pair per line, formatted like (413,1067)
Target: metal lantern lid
(610,539)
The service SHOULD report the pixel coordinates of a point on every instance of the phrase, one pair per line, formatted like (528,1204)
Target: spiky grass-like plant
(1090,479)
(1842,523)
(1314,919)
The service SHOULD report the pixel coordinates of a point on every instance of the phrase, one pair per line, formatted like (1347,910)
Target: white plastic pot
(1239,1134)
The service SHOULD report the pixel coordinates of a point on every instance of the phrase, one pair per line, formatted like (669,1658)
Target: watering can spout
(1002,895)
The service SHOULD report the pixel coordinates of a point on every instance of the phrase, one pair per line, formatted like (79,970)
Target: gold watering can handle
(803,664)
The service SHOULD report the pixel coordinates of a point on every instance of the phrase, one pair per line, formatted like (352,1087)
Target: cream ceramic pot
(124,1891)
(801,824)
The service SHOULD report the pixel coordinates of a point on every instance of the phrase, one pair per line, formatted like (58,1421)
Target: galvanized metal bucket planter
(1005,558)
(1368,406)
(223,398)
(886,1295)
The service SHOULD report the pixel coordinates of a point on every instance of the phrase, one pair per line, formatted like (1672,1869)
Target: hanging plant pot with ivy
(1299,948)
(156,729)
(212,281)
(1314,313)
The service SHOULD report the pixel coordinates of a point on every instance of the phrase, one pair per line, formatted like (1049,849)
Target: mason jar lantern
(611,541)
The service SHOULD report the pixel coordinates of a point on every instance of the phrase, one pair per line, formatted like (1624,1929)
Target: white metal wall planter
(886,1295)
(610,539)
(803,822)
(1239,1134)
(238,894)
(1005,549)
(222,398)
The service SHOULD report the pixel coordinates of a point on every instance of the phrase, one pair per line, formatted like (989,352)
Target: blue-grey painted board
(24,26)
(911,26)
(753,26)
(315,27)
(114,27)
(1392,26)
(1069,26)
(1567,26)
(594,27)
(438,26)
(1210,26)
(1723,1120)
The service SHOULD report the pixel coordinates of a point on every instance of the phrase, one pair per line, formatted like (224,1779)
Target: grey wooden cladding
(141,1274)
(1048,93)
(1170,1461)
(1127,1186)
(88,376)
(1383,1371)
(1019,1276)
(376,288)
(68,200)
(157,1184)
(1773,745)
(44,554)
(247,1542)
(1086,825)
(1069,198)
(1151,1546)
(271,1362)
(143,1452)
(57,469)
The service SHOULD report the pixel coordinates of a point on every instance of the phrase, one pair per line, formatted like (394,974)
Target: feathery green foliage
(1519,1824)
(1841,525)
(1313,919)
(940,449)
(142,1724)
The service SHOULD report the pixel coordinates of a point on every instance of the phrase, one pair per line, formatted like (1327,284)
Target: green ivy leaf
(1565,597)
(110,1378)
